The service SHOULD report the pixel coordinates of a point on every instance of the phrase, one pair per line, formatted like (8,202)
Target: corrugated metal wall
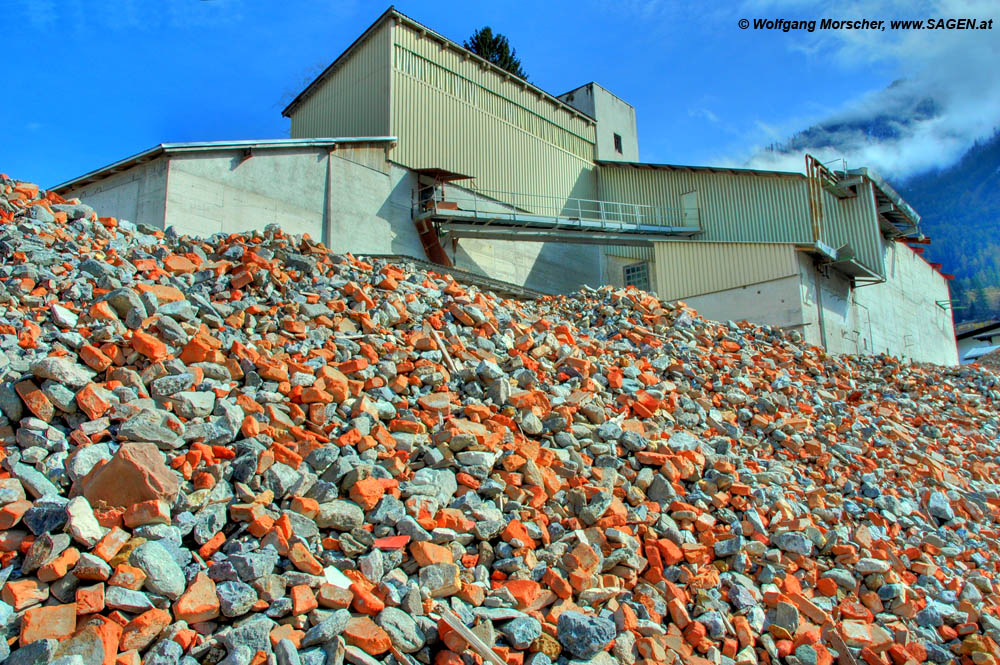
(749,208)
(854,221)
(685,269)
(449,112)
(354,100)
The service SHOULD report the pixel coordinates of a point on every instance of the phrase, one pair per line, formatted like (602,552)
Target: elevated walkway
(464,213)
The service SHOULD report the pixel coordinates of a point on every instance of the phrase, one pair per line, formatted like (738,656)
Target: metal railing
(497,204)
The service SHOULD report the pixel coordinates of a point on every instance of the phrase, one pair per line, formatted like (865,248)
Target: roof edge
(689,167)
(889,192)
(392,12)
(308,90)
(204,146)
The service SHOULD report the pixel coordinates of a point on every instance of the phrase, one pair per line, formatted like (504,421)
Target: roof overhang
(442,175)
(980,351)
(648,166)
(213,146)
(990,329)
(896,216)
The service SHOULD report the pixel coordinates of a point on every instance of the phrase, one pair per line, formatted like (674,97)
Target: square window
(618,144)
(637,275)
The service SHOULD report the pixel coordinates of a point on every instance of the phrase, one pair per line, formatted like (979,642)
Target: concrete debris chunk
(245,449)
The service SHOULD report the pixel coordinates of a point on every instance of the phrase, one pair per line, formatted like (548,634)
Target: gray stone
(806,654)
(582,635)
(328,629)
(193,404)
(843,578)
(238,655)
(683,441)
(402,629)
(164,652)
(867,566)
(522,632)
(165,386)
(126,600)
(740,597)
(286,653)
(39,652)
(163,575)
(252,633)
(84,459)
(340,515)
(128,305)
(793,541)
(63,370)
(940,507)
(786,616)
(85,645)
(253,565)
(151,426)
(81,523)
(34,482)
(235,598)
(440,579)
(728,547)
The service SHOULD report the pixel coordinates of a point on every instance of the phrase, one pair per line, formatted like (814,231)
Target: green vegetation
(496,49)
(960,210)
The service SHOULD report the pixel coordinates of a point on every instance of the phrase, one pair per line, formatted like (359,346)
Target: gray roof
(980,351)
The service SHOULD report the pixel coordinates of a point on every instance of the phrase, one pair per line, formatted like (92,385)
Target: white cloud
(707,114)
(948,95)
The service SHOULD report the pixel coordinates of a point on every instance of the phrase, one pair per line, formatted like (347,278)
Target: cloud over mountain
(946,98)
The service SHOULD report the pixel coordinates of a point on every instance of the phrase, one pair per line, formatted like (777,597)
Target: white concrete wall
(207,192)
(774,303)
(900,316)
(212,192)
(137,194)
(548,267)
(613,115)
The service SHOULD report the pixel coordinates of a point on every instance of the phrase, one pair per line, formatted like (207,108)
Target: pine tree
(496,49)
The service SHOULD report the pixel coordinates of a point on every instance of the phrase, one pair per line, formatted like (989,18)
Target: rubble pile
(245,449)
(990,361)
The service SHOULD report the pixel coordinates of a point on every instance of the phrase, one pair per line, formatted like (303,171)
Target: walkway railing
(609,215)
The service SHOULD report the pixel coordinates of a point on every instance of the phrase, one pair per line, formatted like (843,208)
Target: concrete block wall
(548,267)
(900,316)
(775,303)
(137,194)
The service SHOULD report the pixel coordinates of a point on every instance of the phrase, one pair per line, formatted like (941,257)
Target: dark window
(618,144)
(637,275)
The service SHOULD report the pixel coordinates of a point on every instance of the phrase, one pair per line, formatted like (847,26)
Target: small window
(637,275)
(618,144)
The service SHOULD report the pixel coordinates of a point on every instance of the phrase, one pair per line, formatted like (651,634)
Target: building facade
(549,193)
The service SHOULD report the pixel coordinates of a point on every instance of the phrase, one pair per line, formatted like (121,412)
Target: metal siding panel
(451,114)
(732,207)
(685,269)
(854,221)
(354,100)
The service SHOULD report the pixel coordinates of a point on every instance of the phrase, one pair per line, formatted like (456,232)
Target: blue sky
(89,83)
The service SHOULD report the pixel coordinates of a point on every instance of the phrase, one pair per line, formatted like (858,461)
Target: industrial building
(408,144)
(977,339)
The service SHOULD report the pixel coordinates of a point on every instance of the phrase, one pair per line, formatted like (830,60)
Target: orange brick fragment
(199,602)
(56,622)
(363,633)
(149,346)
(143,629)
